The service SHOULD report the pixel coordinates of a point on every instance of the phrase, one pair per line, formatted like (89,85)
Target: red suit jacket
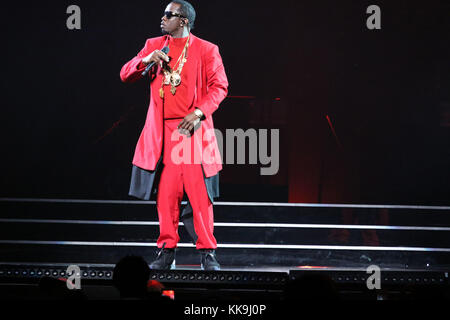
(208,91)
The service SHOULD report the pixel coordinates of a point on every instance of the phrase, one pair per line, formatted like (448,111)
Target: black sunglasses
(170,14)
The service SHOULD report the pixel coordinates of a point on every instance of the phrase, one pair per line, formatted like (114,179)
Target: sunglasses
(170,14)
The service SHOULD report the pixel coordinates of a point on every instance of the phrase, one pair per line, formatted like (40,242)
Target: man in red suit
(187,86)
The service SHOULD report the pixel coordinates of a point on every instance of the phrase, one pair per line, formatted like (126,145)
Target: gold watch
(198,113)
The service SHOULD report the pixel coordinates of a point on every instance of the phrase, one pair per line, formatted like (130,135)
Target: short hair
(187,10)
(130,276)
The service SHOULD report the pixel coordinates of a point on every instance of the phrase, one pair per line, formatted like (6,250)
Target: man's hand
(156,56)
(188,124)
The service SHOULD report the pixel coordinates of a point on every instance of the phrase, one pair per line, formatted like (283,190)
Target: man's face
(169,26)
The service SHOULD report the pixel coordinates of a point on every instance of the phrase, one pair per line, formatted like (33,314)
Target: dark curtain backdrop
(69,126)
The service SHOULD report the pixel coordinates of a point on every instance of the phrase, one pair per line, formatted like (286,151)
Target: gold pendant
(175,79)
(167,79)
(173,90)
(161,93)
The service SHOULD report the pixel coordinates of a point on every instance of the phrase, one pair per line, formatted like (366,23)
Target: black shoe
(208,260)
(165,260)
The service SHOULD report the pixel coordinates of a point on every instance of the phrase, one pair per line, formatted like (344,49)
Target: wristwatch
(198,113)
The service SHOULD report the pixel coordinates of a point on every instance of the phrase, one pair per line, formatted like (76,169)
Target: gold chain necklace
(173,77)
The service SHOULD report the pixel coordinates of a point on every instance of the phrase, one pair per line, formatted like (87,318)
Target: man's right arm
(132,70)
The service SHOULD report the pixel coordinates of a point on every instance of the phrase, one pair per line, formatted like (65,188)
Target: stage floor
(262,246)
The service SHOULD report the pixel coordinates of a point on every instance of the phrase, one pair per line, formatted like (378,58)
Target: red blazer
(208,91)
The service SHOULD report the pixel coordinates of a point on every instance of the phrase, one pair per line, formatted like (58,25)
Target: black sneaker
(208,260)
(165,260)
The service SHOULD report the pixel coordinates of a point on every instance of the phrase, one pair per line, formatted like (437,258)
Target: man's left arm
(217,84)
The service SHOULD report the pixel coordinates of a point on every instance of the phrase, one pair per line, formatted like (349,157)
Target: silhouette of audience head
(312,286)
(130,277)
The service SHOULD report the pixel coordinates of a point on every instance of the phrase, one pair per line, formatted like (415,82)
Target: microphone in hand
(153,63)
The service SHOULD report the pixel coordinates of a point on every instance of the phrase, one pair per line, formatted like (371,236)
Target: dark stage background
(69,126)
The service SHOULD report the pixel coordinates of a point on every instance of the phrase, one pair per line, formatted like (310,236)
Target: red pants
(174,180)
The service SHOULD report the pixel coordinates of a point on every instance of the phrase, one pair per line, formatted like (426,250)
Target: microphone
(150,65)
